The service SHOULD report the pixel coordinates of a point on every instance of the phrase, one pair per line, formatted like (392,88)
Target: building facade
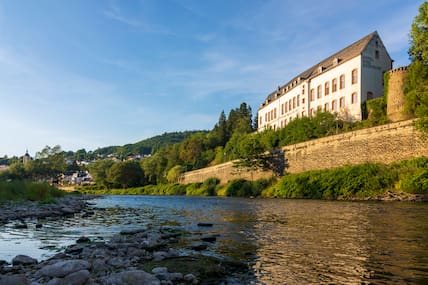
(339,83)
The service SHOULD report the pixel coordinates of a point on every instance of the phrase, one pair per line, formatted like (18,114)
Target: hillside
(147,146)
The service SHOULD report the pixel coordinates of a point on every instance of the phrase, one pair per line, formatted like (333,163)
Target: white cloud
(114,12)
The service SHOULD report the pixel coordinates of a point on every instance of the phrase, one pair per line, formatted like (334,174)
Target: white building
(339,83)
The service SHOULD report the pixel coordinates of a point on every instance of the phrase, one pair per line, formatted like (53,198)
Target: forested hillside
(147,146)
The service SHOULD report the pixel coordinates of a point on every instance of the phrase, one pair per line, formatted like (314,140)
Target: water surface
(282,241)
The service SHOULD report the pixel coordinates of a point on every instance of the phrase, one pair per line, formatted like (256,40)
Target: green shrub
(23,190)
(239,188)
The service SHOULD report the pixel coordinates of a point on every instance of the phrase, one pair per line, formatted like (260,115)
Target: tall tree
(419,36)
(416,82)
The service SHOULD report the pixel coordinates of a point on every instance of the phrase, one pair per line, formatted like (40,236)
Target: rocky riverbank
(141,256)
(60,207)
(163,255)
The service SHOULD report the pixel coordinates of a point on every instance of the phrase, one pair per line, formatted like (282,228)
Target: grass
(17,191)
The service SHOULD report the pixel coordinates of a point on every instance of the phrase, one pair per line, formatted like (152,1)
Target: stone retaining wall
(385,144)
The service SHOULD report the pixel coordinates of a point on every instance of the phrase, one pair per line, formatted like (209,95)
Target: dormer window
(336,61)
(320,69)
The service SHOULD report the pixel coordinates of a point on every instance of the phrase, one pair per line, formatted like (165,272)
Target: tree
(51,161)
(253,157)
(175,173)
(416,81)
(125,174)
(419,36)
(98,171)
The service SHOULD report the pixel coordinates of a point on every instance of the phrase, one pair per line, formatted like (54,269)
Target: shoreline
(157,255)
(61,207)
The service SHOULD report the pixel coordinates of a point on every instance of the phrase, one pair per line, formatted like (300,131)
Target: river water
(282,241)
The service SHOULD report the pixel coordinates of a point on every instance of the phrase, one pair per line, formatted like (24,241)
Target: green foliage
(98,171)
(125,174)
(386,77)
(377,111)
(416,81)
(22,190)
(419,35)
(357,181)
(175,173)
(147,146)
(245,188)
(411,175)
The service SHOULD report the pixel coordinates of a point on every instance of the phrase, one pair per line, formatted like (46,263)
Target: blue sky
(94,73)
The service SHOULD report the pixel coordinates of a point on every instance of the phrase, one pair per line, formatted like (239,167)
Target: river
(282,241)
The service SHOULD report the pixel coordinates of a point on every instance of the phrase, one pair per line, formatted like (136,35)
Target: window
(342,102)
(342,81)
(298,100)
(312,95)
(286,107)
(303,113)
(334,85)
(260,120)
(376,54)
(303,89)
(289,105)
(282,109)
(294,102)
(334,105)
(370,95)
(326,107)
(319,91)
(303,100)
(354,98)
(266,117)
(312,112)
(354,76)
(327,88)
(274,113)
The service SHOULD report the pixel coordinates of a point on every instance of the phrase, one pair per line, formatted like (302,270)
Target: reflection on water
(283,241)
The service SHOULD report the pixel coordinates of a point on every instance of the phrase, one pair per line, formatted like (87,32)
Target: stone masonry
(383,144)
(395,96)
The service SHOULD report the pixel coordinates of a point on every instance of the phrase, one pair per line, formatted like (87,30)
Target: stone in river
(63,268)
(14,279)
(83,240)
(77,278)
(132,277)
(205,224)
(209,238)
(23,260)
(198,246)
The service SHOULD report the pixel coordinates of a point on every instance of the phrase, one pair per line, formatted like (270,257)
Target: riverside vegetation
(397,181)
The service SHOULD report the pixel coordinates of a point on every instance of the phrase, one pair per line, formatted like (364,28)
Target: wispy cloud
(114,12)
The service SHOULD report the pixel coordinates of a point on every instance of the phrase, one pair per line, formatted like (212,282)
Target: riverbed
(281,241)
